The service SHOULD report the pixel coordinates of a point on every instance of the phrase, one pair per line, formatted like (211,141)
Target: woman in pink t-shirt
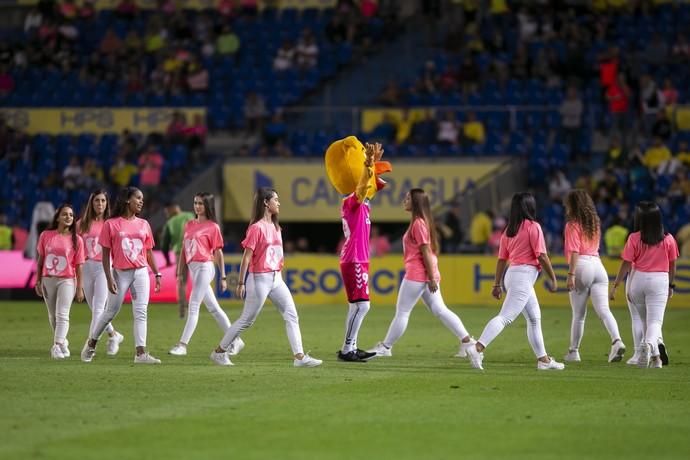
(202,245)
(60,256)
(129,240)
(587,276)
(522,246)
(261,267)
(89,228)
(422,278)
(650,257)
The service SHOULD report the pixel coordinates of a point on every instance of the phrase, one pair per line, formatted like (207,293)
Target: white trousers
(261,286)
(58,294)
(408,296)
(95,291)
(202,274)
(138,283)
(647,294)
(591,281)
(520,298)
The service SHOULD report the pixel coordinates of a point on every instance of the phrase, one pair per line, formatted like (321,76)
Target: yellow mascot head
(347,171)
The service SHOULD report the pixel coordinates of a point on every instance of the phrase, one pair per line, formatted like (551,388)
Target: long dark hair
(209,205)
(421,209)
(523,207)
(580,209)
(121,204)
(88,215)
(261,196)
(649,223)
(72,228)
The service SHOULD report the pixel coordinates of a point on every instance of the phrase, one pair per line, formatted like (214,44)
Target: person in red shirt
(422,277)
(523,247)
(202,245)
(261,267)
(618,97)
(587,277)
(60,257)
(649,256)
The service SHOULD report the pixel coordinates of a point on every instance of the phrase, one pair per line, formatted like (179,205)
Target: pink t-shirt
(150,168)
(413,240)
(60,259)
(201,239)
(128,241)
(267,244)
(647,258)
(92,248)
(525,247)
(576,242)
(356,228)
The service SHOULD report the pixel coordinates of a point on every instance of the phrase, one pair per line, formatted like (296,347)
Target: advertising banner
(94,120)
(306,195)
(198,4)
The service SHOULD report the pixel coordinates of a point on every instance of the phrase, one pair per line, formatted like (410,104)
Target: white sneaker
(64,347)
(476,357)
(617,351)
(645,355)
(552,365)
(307,361)
(656,363)
(221,359)
(573,356)
(87,353)
(178,350)
(146,358)
(634,359)
(381,350)
(56,352)
(462,352)
(235,347)
(113,344)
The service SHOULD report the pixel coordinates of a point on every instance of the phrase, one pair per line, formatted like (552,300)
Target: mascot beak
(381,167)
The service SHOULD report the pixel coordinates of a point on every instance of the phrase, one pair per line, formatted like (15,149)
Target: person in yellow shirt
(121,172)
(6,234)
(481,228)
(656,154)
(683,239)
(615,237)
(473,129)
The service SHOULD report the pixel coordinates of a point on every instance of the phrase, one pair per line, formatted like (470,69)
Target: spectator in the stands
(127,9)
(110,43)
(32,22)
(93,174)
(6,81)
(481,228)
(228,43)
(683,239)
(391,95)
(454,234)
(68,9)
(197,76)
(618,95)
(670,93)
(307,51)
(559,186)
(150,169)
(226,8)
(197,131)
(379,243)
(285,56)
(122,171)
(255,112)
(499,225)
(424,131)
(473,130)
(177,128)
(656,154)
(615,237)
(6,234)
(448,129)
(73,174)
(651,101)
(683,153)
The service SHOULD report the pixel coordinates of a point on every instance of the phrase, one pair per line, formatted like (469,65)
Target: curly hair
(579,209)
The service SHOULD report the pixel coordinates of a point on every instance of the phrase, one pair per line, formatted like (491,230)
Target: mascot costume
(353,169)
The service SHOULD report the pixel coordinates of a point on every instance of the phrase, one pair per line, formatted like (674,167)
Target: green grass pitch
(421,403)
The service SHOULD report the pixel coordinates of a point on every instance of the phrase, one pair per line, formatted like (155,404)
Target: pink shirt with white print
(413,240)
(128,241)
(525,247)
(200,240)
(356,228)
(60,259)
(646,258)
(267,244)
(575,241)
(92,248)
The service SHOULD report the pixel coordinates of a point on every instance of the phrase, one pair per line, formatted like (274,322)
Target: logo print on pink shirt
(93,249)
(55,264)
(132,248)
(190,248)
(273,256)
